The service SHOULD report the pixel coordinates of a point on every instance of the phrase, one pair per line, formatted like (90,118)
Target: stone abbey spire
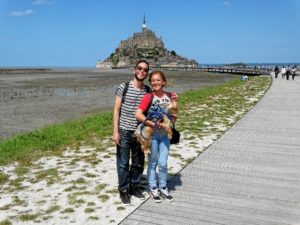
(144,26)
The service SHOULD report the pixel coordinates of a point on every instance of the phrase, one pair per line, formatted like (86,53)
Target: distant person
(125,124)
(288,72)
(283,71)
(294,72)
(276,70)
(160,143)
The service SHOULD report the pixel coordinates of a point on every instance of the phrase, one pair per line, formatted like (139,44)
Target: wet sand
(34,99)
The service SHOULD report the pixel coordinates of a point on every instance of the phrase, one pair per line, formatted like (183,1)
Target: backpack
(148,90)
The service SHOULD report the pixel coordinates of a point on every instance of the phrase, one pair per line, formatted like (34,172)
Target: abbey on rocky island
(144,45)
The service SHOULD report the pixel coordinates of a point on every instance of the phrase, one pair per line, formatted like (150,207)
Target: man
(276,71)
(128,97)
(283,71)
(294,72)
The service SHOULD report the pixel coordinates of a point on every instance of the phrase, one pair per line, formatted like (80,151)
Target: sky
(77,33)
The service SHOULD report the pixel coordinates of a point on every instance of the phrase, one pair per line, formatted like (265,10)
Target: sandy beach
(32,100)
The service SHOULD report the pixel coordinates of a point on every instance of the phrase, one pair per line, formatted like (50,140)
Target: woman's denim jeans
(129,146)
(158,157)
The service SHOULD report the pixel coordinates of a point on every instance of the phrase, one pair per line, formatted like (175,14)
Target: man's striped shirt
(132,99)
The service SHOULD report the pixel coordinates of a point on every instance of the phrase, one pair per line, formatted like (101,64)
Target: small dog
(144,133)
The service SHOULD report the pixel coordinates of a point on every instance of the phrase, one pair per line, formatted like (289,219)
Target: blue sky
(80,32)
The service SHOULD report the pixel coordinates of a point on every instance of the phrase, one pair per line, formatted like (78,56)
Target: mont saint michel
(144,45)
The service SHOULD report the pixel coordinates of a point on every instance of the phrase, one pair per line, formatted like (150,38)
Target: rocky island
(144,45)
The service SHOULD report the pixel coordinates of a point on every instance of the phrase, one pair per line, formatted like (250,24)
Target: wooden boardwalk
(251,175)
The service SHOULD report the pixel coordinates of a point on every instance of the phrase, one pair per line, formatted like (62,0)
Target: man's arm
(116,118)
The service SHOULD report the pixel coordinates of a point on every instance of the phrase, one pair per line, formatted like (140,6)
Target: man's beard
(139,79)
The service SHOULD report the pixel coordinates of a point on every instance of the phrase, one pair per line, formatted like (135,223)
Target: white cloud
(226,3)
(41,2)
(27,12)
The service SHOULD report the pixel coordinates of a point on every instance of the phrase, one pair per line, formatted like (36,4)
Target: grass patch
(93,218)
(5,222)
(3,178)
(89,210)
(120,208)
(28,217)
(68,210)
(39,141)
(90,175)
(18,201)
(47,174)
(16,184)
(100,187)
(52,209)
(71,188)
(175,155)
(80,181)
(41,202)
(113,191)
(91,204)
(21,170)
(103,198)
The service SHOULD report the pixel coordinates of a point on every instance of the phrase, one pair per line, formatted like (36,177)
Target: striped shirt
(132,99)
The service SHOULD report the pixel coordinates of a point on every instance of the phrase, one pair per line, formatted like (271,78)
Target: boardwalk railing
(241,71)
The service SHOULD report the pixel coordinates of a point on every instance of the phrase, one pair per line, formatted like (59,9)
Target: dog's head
(172,108)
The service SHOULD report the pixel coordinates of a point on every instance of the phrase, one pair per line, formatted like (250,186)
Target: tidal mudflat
(34,99)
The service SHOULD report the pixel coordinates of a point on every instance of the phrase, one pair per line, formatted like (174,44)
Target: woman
(160,143)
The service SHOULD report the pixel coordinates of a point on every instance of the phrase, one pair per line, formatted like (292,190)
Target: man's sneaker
(165,194)
(136,192)
(125,197)
(154,192)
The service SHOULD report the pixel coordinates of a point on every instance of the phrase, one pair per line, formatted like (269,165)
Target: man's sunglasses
(143,69)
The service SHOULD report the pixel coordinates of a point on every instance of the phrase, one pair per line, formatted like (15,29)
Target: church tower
(144,27)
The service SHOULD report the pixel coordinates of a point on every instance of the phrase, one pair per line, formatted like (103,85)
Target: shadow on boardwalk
(251,175)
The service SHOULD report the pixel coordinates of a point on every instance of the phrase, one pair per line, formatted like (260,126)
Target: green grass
(54,137)
(68,210)
(103,197)
(53,208)
(93,218)
(5,222)
(89,210)
(221,100)
(28,217)
(3,178)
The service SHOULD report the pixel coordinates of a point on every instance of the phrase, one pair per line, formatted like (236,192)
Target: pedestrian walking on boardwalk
(276,70)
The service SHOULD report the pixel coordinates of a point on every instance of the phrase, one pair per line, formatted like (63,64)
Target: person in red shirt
(160,144)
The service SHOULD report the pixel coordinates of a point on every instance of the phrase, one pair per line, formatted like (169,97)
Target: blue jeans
(129,175)
(158,157)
